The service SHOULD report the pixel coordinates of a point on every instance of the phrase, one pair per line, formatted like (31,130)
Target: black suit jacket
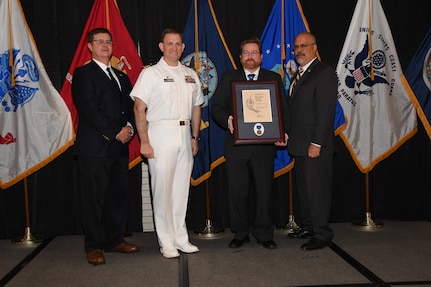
(312,110)
(103,110)
(222,108)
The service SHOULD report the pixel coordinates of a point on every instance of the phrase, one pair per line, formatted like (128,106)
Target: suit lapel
(304,76)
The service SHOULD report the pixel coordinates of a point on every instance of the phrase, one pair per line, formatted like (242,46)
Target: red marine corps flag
(105,14)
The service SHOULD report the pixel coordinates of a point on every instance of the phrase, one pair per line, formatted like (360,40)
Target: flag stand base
(28,239)
(368,224)
(209,232)
(291,226)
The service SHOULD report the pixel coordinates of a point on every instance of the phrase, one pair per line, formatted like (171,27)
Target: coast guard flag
(105,14)
(277,40)
(418,74)
(207,53)
(35,124)
(375,96)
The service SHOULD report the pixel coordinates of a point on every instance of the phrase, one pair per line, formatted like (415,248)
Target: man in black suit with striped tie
(312,104)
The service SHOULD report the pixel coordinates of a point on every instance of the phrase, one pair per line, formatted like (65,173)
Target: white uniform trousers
(170,171)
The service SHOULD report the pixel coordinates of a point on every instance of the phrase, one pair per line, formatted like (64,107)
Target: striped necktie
(297,77)
(250,77)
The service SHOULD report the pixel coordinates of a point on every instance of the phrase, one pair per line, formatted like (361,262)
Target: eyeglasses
(302,46)
(102,42)
(252,53)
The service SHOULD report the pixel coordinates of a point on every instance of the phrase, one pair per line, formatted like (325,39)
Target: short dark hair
(251,40)
(90,36)
(170,31)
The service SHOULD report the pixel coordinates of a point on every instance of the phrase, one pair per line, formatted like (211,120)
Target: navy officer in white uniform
(168,99)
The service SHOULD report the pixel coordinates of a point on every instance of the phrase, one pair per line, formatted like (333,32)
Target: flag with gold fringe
(35,124)
(285,22)
(106,14)
(373,91)
(418,74)
(206,52)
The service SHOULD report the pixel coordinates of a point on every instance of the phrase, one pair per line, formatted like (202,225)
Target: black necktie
(250,77)
(111,77)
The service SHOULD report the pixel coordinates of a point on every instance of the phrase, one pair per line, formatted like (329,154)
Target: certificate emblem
(258,129)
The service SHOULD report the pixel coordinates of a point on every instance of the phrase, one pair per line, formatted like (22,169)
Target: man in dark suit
(250,165)
(312,104)
(101,97)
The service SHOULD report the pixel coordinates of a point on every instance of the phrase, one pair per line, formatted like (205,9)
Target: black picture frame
(257,112)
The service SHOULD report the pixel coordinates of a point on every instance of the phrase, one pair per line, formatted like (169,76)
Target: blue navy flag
(418,74)
(207,53)
(277,47)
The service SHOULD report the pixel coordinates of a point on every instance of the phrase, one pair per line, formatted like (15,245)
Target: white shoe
(187,247)
(169,252)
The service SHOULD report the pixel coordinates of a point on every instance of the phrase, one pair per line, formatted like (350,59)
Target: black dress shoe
(302,234)
(237,243)
(270,244)
(314,244)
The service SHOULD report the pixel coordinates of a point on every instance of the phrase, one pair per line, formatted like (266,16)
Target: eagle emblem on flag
(24,74)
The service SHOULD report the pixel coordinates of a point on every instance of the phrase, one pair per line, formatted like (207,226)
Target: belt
(170,123)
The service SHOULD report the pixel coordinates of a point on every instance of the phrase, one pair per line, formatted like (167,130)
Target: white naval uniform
(169,99)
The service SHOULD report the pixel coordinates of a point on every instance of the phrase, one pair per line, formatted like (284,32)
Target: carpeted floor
(398,254)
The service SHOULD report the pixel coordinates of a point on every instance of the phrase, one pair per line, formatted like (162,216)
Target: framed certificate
(257,112)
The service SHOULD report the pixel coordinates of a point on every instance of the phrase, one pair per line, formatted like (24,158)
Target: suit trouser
(314,188)
(170,171)
(257,169)
(104,200)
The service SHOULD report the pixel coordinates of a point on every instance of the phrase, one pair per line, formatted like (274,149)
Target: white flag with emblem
(373,91)
(35,123)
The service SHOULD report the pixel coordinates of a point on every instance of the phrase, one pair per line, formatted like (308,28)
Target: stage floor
(397,254)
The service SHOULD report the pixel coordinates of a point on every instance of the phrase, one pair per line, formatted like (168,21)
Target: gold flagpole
(198,60)
(291,225)
(368,224)
(208,231)
(283,41)
(28,238)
